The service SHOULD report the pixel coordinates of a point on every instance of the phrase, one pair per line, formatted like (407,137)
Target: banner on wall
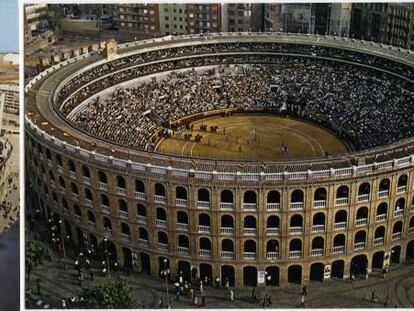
(327,272)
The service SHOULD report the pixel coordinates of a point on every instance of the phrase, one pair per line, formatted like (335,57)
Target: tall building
(242,17)
(173,18)
(11,97)
(140,19)
(203,18)
(340,18)
(388,23)
(35,20)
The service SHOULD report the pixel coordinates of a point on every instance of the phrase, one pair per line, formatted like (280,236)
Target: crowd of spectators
(373,107)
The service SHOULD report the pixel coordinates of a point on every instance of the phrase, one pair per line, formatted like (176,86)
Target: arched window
(91,217)
(360,239)
(296,221)
(88,194)
(62,182)
(74,189)
(85,172)
(320,195)
(226,196)
(227,222)
(143,234)
(272,249)
(102,177)
(162,238)
(342,195)
(318,246)
(159,190)
(361,216)
(249,225)
(59,160)
(72,166)
(139,186)
(161,214)
(295,248)
(205,244)
(297,196)
(250,197)
(384,188)
(273,197)
(183,241)
(120,181)
(273,222)
(399,207)
(318,223)
(182,218)
(382,210)
(227,245)
(181,193)
(364,192)
(203,195)
(104,200)
(249,247)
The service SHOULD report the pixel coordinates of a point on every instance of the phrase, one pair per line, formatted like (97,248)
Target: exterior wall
(173,18)
(44,184)
(138,18)
(203,18)
(244,17)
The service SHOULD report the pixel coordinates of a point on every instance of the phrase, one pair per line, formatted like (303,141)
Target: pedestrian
(373,297)
(264,303)
(203,300)
(217,281)
(201,288)
(195,300)
(302,302)
(160,303)
(231,295)
(227,283)
(63,303)
(269,300)
(206,280)
(192,295)
(304,290)
(177,295)
(170,304)
(91,274)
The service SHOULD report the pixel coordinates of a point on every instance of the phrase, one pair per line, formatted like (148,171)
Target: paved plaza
(56,283)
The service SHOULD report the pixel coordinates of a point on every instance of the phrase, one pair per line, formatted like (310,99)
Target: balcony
(338,249)
(86,180)
(162,246)
(123,214)
(72,174)
(125,237)
(295,254)
(363,198)
(143,242)
(340,225)
(204,229)
(319,203)
(383,193)
(272,255)
(161,223)
(318,228)
(381,217)
(249,255)
(103,186)
(249,206)
(295,230)
(181,226)
(121,191)
(78,218)
(160,199)
(379,241)
(398,213)
(396,236)
(181,202)
(317,252)
(227,230)
(183,250)
(361,222)
(92,224)
(249,231)
(273,206)
(88,203)
(401,189)
(59,169)
(271,231)
(203,204)
(227,255)
(105,209)
(75,197)
(107,232)
(359,246)
(341,201)
(226,205)
(296,206)
(139,195)
(142,219)
(204,252)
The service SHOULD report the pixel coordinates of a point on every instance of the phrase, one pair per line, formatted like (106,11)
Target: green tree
(111,295)
(35,252)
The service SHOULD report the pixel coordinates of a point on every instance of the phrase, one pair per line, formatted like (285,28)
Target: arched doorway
(206,271)
(378,260)
(184,269)
(274,273)
(145,263)
(337,269)
(317,271)
(359,265)
(127,257)
(249,276)
(227,273)
(395,254)
(295,274)
(410,250)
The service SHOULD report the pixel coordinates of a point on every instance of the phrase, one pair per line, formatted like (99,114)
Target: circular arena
(226,154)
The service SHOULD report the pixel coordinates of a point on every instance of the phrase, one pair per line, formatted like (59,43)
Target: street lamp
(388,280)
(267,278)
(107,257)
(165,273)
(63,244)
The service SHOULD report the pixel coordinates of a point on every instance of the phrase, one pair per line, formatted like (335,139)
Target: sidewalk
(56,283)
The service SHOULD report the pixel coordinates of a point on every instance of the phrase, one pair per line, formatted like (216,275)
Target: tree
(110,295)
(35,252)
